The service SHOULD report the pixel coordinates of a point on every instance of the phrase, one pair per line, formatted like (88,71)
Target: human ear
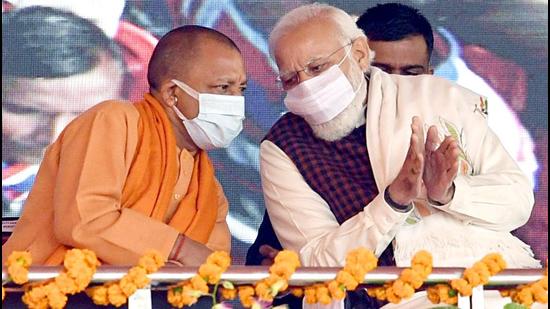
(168,93)
(361,52)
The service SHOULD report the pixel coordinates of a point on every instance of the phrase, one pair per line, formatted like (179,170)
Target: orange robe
(109,185)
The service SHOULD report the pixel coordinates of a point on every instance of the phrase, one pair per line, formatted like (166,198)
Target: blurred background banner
(496,48)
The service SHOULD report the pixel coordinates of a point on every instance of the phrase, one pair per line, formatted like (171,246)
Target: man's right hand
(408,184)
(269,253)
(190,252)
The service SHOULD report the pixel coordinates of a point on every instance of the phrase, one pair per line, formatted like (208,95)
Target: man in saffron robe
(125,178)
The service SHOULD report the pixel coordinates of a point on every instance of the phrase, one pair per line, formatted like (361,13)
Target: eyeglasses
(313,68)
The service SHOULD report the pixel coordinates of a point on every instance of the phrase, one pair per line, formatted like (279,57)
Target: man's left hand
(441,167)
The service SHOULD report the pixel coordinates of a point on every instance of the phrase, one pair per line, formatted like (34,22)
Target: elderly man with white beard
(350,165)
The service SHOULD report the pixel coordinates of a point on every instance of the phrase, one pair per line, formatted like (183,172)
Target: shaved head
(177,51)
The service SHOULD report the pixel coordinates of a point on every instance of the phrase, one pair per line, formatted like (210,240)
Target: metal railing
(303,276)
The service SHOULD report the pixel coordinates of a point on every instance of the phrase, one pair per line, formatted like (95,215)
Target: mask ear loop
(177,110)
(190,91)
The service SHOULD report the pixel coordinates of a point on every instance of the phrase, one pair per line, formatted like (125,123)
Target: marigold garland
(79,268)
(527,294)
(358,263)
(116,293)
(189,292)
(409,280)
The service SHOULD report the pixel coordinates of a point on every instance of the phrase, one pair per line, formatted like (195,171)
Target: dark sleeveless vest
(340,171)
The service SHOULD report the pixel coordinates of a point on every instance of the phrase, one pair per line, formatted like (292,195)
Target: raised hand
(441,167)
(408,184)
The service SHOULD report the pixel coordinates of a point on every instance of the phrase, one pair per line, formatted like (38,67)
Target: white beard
(349,119)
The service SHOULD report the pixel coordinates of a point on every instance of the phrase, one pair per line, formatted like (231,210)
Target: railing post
(478,299)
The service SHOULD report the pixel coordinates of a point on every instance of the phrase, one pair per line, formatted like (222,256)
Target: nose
(60,121)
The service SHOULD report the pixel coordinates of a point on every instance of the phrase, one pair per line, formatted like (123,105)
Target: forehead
(66,94)
(408,51)
(214,60)
(317,38)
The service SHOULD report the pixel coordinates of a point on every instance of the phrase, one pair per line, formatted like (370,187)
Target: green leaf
(228,285)
(514,306)
(178,289)
(453,293)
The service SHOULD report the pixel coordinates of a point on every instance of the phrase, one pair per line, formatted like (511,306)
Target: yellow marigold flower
(22,258)
(345,278)
(3,293)
(220,259)
(423,258)
(432,293)
(127,286)
(18,273)
(276,283)
(116,296)
(472,277)
(198,284)
(375,292)
(246,296)
(288,256)
(462,286)
(211,273)
(544,282)
(402,289)
(283,270)
(297,291)
(98,294)
(421,270)
(310,295)
(66,284)
(337,291)
(56,299)
(228,293)
(182,295)
(151,261)
(35,297)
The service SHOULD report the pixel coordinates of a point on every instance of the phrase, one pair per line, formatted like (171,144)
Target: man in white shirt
(343,170)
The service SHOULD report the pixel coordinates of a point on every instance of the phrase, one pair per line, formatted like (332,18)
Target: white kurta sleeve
(304,222)
(498,196)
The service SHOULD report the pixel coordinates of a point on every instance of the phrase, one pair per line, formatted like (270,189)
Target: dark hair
(180,45)
(395,21)
(46,42)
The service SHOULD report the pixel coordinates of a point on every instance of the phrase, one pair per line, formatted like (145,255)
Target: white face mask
(321,98)
(220,118)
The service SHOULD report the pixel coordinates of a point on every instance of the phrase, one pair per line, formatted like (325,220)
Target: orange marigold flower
(358,271)
(263,291)
(246,295)
(98,294)
(35,297)
(282,270)
(151,261)
(412,277)
(539,293)
(495,262)
(483,271)
(462,286)
(138,276)
(211,273)
(345,278)
(228,293)
(288,256)
(297,291)
(472,277)
(337,291)
(116,296)
(310,295)
(18,273)
(391,296)
(66,284)
(220,259)
(525,297)
(22,258)
(322,295)
(3,293)
(402,289)
(182,295)
(198,284)
(56,299)
(423,258)
(362,257)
